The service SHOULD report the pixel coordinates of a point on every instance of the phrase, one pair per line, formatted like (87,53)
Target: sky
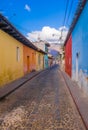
(40,19)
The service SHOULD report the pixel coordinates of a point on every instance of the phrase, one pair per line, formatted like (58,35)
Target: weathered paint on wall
(29,59)
(11,65)
(68,56)
(80,50)
(39,61)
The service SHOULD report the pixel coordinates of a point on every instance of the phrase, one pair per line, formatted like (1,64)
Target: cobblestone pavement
(44,103)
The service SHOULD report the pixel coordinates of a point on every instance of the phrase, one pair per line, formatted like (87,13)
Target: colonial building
(11,58)
(43,45)
(40,59)
(17,53)
(76,47)
(29,59)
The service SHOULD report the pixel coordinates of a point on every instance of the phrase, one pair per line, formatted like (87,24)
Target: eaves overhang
(41,51)
(7,27)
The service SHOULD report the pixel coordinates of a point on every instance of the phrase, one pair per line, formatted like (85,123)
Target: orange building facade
(29,59)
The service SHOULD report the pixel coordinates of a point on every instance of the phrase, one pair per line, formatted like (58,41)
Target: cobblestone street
(44,103)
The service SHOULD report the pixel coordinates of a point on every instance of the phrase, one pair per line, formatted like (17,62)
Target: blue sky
(33,15)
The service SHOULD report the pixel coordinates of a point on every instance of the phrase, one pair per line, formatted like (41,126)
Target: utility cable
(70,10)
(66,12)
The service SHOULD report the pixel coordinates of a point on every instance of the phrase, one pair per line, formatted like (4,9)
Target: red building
(68,56)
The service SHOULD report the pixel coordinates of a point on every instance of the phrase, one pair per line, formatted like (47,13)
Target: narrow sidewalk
(79,98)
(10,87)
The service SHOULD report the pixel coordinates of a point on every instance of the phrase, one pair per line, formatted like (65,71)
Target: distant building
(50,60)
(43,45)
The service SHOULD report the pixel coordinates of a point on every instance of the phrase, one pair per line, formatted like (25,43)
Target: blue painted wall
(46,61)
(80,42)
(46,57)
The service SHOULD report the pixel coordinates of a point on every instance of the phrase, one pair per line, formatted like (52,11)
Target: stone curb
(79,100)
(11,87)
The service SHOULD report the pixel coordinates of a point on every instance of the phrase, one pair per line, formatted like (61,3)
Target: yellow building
(40,59)
(11,52)
(11,58)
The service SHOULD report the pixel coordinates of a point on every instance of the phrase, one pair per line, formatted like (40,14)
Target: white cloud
(27,7)
(48,34)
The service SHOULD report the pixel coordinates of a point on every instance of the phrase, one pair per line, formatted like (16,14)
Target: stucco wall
(80,46)
(10,68)
(68,56)
(46,61)
(39,61)
(30,63)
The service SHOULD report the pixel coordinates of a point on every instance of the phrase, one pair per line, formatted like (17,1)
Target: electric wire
(70,10)
(66,12)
